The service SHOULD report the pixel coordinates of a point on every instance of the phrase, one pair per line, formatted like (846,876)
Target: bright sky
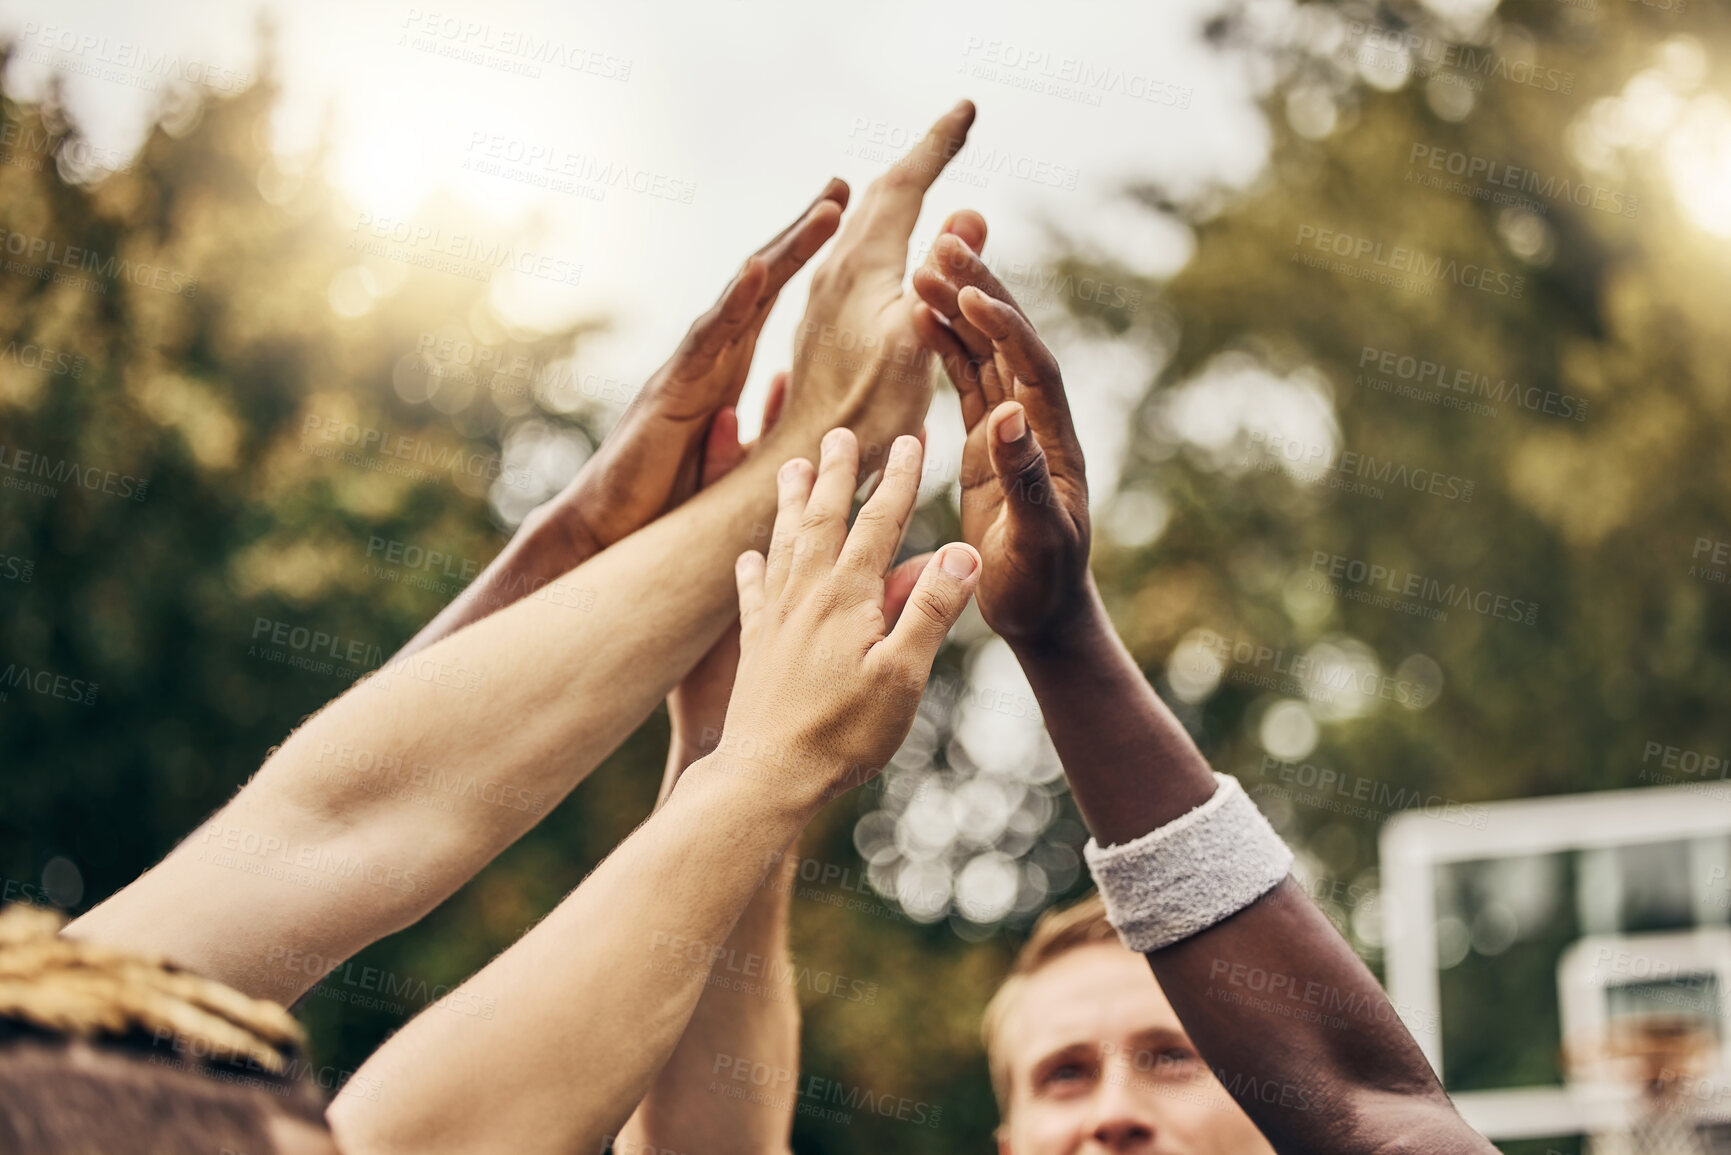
(730,114)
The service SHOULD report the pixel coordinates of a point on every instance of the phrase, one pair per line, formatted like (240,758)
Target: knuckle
(703,331)
(1032,470)
(932,607)
(826,278)
(831,598)
(872,519)
(892,179)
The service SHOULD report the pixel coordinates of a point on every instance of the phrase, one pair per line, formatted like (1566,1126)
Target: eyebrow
(1069,1052)
(1159,1037)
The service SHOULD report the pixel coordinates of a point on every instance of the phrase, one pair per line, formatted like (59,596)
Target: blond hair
(1059,931)
(71,989)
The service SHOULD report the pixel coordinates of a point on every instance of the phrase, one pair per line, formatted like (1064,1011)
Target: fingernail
(832,442)
(903,451)
(958,563)
(790,470)
(1013,427)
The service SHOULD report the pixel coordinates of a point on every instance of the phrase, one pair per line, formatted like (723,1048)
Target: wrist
(865,405)
(770,779)
(1074,631)
(546,545)
(692,739)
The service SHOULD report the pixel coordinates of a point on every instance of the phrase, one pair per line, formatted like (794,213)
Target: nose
(1122,1122)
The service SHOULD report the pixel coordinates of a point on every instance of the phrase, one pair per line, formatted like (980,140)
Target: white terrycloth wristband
(1191,873)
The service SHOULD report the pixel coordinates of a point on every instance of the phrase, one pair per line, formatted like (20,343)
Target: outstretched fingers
(883,519)
(799,242)
(823,526)
(960,364)
(748,575)
(745,303)
(952,266)
(899,586)
(881,226)
(937,601)
(1020,464)
(1028,369)
(793,484)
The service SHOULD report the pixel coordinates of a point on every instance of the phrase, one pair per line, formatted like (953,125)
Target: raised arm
(591,1002)
(391,798)
(650,462)
(749,1007)
(1132,767)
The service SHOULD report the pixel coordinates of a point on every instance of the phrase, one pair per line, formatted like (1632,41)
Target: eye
(1065,1076)
(1173,1062)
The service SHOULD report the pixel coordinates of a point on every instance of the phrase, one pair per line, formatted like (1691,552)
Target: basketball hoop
(1659,1063)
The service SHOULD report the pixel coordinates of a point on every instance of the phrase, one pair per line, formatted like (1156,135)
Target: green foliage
(206,393)
(1618,321)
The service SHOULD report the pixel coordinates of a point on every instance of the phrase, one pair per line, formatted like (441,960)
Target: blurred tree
(1453,346)
(236,425)
(1439,410)
(248,449)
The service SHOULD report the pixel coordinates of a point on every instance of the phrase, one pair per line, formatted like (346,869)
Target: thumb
(1018,459)
(938,599)
(899,586)
(970,226)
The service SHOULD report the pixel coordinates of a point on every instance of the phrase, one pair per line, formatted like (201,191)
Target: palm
(862,351)
(1030,555)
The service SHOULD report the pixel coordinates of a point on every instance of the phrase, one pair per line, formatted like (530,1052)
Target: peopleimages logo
(1066,77)
(505,48)
(46,683)
(1500,175)
(1315,463)
(60,471)
(29,355)
(1400,259)
(548,164)
(107,59)
(461,254)
(1464,64)
(1404,583)
(55,254)
(1453,379)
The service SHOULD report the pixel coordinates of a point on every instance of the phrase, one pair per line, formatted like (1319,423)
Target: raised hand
(651,460)
(856,351)
(1024,484)
(826,689)
(698,705)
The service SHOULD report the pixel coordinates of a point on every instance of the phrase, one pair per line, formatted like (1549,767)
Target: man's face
(1099,1062)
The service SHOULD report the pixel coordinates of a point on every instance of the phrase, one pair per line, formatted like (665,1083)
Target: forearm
(539,553)
(1132,768)
(747,1014)
(398,792)
(748,1010)
(589,1005)
(1130,764)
